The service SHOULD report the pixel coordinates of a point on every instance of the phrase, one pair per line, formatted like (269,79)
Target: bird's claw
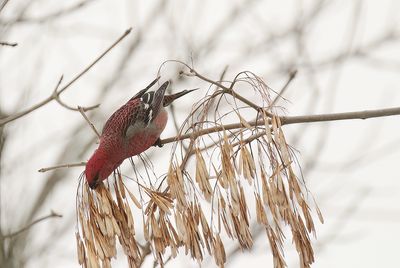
(158,143)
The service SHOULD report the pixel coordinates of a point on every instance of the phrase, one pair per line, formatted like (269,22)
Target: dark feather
(145,110)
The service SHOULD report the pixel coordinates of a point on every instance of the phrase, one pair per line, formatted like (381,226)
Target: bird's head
(94,171)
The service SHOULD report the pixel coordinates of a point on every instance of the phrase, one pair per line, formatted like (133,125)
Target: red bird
(131,130)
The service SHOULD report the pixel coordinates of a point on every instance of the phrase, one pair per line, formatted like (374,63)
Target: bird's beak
(93,184)
(170,98)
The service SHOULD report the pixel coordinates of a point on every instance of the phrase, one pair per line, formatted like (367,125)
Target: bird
(132,129)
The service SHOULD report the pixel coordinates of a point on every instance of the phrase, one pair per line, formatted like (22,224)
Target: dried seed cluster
(102,219)
(239,172)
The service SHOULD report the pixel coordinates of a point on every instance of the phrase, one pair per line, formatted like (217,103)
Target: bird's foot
(158,143)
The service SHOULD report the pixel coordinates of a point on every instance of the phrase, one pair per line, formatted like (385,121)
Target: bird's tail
(168,99)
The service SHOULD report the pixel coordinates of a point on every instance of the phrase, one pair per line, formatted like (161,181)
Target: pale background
(347,54)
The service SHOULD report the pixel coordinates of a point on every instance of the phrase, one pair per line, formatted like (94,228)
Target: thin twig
(55,96)
(82,111)
(52,215)
(80,164)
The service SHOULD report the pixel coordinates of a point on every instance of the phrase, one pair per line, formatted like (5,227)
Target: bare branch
(55,96)
(366,114)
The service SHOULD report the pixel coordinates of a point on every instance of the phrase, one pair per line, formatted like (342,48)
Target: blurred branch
(3,4)
(228,22)
(73,149)
(279,95)
(57,92)
(51,215)
(9,44)
(361,51)
(360,157)
(126,57)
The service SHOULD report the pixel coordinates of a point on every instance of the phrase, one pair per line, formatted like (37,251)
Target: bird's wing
(137,119)
(145,110)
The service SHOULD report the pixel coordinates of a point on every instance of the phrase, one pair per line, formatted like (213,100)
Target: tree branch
(285,120)
(366,114)
(57,93)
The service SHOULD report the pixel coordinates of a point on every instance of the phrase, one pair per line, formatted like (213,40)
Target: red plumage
(131,130)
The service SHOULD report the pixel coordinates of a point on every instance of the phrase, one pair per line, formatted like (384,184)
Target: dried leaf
(134,200)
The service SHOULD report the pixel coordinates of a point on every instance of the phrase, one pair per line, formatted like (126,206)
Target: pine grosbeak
(131,130)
